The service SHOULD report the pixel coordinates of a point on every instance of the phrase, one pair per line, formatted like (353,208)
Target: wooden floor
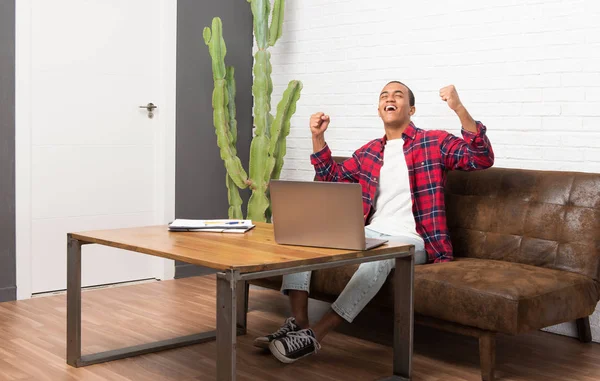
(32,342)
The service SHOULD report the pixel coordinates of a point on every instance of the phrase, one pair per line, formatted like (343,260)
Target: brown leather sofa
(527,256)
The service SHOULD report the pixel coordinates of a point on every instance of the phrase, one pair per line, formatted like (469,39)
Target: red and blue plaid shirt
(429,154)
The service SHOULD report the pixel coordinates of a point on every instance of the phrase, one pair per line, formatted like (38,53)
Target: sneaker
(295,345)
(289,326)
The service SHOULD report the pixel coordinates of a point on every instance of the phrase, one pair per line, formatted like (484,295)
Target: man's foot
(295,345)
(289,326)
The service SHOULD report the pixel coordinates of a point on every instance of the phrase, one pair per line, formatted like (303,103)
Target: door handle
(150,108)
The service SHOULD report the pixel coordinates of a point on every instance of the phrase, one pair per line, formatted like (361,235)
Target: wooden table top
(255,250)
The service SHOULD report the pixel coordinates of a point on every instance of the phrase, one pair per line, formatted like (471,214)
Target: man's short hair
(411,96)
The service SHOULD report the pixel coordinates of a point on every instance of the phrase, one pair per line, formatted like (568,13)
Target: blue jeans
(366,281)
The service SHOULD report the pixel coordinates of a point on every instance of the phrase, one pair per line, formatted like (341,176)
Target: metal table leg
(403,319)
(243,288)
(74,357)
(227,304)
(73,301)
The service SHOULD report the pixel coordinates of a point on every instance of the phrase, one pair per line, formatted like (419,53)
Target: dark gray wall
(200,175)
(8,286)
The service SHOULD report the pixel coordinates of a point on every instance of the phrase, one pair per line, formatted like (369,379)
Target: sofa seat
(502,296)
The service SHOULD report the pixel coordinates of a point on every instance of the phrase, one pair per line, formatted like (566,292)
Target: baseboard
(186,270)
(8,294)
(569,329)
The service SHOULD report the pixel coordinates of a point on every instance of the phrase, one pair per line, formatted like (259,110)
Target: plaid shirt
(428,155)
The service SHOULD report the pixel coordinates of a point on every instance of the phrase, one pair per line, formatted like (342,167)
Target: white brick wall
(528,69)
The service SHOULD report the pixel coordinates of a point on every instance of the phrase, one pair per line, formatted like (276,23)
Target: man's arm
(450,96)
(326,169)
(466,121)
(472,152)
(318,143)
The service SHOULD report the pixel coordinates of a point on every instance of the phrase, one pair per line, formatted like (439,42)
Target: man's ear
(412,111)
(379,112)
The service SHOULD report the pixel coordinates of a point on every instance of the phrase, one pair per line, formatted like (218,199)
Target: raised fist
(450,96)
(319,123)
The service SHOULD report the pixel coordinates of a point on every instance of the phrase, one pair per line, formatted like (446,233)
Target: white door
(96,160)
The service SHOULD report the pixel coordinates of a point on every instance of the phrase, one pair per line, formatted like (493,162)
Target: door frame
(164,200)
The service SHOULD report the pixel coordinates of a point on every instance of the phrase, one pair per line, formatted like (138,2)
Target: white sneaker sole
(281,357)
(264,344)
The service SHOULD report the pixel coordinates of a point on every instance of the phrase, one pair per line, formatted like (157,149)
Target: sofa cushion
(492,295)
(501,296)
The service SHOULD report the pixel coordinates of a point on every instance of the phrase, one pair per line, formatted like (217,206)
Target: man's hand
(318,124)
(450,96)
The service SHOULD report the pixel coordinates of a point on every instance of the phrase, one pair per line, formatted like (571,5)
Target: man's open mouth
(390,108)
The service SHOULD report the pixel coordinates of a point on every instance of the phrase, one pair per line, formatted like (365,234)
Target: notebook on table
(220,226)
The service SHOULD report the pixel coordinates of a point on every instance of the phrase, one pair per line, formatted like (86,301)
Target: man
(402,177)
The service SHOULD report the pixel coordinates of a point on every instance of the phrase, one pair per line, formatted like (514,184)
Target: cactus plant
(268,146)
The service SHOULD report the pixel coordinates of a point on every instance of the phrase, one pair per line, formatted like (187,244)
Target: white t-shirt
(393,204)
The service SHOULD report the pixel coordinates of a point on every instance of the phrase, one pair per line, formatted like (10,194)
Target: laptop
(319,214)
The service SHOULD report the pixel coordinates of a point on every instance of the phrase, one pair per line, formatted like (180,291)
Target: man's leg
(297,287)
(330,321)
(363,286)
(365,283)
(299,307)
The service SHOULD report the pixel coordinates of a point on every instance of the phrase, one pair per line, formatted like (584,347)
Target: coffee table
(238,258)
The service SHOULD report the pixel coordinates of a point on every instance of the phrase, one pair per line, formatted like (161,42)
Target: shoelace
(296,340)
(288,326)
